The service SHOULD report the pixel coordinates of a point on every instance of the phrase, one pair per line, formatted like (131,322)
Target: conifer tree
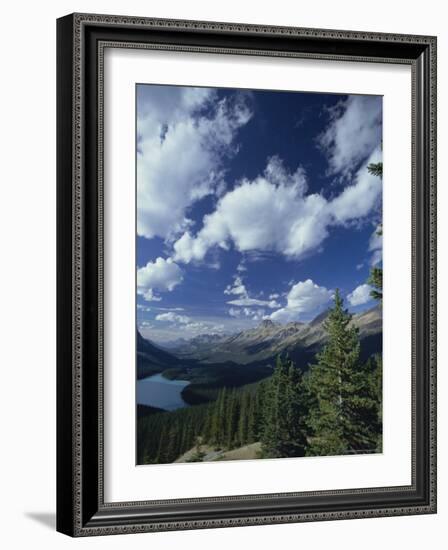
(231,417)
(376,169)
(243,421)
(342,403)
(284,428)
(376,273)
(376,281)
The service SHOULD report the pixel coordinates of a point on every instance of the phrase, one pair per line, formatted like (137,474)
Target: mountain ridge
(269,339)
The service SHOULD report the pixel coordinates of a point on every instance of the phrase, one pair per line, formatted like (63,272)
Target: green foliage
(232,420)
(376,281)
(376,169)
(230,375)
(335,408)
(343,413)
(285,411)
(376,273)
(196,394)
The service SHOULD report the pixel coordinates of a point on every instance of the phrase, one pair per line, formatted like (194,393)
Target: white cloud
(146,324)
(269,213)
(183,135)
(357,200)
(244,300)
(376,247)
(200,327)
(304,299)
(149,295)
(172,317)
(359,266)
(254,314)
(248,302)
(272,213)
(360,296)
(235,312)
(189,325)
(238,288)
(258,315)
(274,296)
(354,131)
(162,103)
(161,275)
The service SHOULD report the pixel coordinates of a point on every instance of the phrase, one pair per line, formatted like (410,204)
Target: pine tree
(342,404)
(243,421)
(231,416)
(376,273)
(252,425)
(284,428)
(375,371)
(295,441)
(376,169)
(376,281)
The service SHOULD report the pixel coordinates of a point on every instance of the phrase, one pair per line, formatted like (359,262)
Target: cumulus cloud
(254,314)
(355,129)
(273,213)
(376,247)
(161,275)
(237,288)
(172,317)
(146,324)
(235,312)
(149,295)
(244,300)
(183,136)
(358,199)
(261,215)
(200,327)
(189,325)
(360,296)
(304,299)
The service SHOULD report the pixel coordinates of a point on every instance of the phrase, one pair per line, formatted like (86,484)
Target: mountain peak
(267,323)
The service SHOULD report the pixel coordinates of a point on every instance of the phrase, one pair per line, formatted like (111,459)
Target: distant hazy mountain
(220,358)
(184,346)
(151,359)
(268,339)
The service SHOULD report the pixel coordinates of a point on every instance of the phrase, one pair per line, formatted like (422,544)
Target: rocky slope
(269,339)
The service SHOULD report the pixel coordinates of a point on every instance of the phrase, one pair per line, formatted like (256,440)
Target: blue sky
(252,205)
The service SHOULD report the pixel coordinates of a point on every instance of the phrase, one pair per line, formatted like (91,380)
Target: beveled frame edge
(72,516)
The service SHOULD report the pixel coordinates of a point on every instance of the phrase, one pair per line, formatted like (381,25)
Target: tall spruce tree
(375,279)
(284,428)
(342,404)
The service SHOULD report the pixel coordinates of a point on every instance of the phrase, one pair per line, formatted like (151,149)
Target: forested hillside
(334,407)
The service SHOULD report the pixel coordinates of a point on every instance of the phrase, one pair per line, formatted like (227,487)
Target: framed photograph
(246,274)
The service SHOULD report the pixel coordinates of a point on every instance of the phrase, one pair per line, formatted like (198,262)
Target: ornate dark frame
(81,39)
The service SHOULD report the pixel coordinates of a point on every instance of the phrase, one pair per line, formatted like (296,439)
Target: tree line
(333,408)
(232,420)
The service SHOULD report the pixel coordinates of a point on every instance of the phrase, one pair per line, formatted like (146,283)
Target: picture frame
(81,506)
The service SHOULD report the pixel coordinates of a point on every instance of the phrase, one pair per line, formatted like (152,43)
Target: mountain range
(269,339)
(255,348)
